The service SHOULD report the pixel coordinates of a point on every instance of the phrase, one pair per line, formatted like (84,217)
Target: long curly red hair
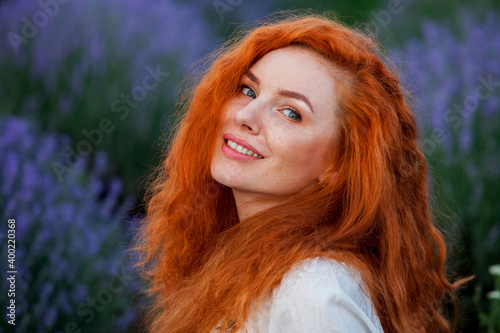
(206,269)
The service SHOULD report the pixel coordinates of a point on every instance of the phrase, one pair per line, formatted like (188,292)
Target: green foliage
(490,321)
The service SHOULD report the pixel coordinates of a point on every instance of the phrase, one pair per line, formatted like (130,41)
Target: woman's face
(284,117)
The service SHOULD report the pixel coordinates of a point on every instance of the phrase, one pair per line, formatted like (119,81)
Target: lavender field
(88,94)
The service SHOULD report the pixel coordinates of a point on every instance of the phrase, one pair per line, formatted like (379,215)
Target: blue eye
(247,91)
(292,114)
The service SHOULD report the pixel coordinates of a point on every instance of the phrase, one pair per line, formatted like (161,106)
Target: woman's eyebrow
(296,95)
(252,77)
(285,93)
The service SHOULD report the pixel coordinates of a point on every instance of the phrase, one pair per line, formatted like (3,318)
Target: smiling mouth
(240,149)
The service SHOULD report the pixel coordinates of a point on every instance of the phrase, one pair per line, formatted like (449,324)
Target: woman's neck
(249,204)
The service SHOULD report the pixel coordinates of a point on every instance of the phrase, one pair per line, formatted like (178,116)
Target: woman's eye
(247,91)
(292,114)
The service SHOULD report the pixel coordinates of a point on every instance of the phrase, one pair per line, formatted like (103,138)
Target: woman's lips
(241,142)
(239,149)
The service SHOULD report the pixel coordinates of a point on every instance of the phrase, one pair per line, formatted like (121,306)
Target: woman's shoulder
(321,269)
(320,295)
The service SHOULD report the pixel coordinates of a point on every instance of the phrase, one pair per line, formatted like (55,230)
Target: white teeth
(241,149)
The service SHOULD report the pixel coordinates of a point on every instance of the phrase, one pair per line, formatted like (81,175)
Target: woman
(293,196)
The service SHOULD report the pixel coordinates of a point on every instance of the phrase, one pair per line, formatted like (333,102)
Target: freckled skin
(294,151)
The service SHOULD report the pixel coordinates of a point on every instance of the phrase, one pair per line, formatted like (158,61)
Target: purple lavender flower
(69,235)
(74,70)
(100,33)
(447,73)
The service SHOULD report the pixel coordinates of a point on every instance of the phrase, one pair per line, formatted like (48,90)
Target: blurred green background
(88,94)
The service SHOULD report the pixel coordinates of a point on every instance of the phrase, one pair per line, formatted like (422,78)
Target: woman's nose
(249,117)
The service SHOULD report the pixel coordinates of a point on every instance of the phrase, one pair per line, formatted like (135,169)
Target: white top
(319,295)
